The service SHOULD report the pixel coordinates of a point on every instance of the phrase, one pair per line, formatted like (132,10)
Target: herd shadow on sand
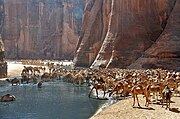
(176,110)
(118,98)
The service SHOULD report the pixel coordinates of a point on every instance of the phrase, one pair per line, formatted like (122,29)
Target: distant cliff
(116,33)
(46,29)
(3,64)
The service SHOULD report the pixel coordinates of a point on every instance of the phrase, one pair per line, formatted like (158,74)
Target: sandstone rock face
(47,29)
(165,52)
(115,33)
(3,64)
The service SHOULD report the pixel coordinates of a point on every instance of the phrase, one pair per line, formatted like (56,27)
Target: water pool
(55,100)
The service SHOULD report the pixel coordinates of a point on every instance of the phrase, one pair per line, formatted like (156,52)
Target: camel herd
(162,84)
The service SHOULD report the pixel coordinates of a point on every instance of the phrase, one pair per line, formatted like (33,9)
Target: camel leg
(97,93)
(79,83)
(111,93)
(162,101)
(138,101)
(104,92)
(147,100)
(166,104)
(157,94)
(90,92)
(133,100)
(169,103)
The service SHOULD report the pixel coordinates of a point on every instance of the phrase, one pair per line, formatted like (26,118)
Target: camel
(36,69)
(27,78)
(166,96)
(7,98)
(29,69)
(54,75)
(127,88)
(98,86)
(117,88)
(39,84)
(45,76)
(153,89)
(68,77)
(14,81)
(136,90)
(171,82)
(79,79)
(42,69)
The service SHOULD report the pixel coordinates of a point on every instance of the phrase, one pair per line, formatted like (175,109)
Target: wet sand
(123,110)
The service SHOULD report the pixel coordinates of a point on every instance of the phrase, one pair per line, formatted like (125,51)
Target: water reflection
(55,100)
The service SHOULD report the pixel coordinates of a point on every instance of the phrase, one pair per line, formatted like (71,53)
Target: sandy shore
(123,110)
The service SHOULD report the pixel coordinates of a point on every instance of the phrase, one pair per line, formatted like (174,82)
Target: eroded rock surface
(47,29)
(3,64)
(165,52)
(115,33)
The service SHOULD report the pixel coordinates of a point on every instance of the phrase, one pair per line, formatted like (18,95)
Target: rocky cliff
(165,52)
(47,29)
(115,33)
(3,64)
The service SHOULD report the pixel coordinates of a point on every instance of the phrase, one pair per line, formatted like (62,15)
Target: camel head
(8,80)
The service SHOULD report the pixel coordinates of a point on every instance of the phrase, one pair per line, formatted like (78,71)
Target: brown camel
(137,90)
(98,86)
(39,84)
(14,81)
(117,88)
(155,89)
(7,98)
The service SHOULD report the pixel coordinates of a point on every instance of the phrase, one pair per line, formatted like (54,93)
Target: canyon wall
(42,29)
(165,52)
(3,64)
(115,33)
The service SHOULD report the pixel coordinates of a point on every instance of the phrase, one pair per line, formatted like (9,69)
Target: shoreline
(123,110)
